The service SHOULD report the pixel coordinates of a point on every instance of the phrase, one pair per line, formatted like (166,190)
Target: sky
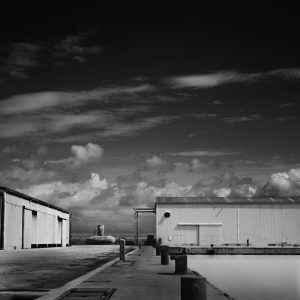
(103,109)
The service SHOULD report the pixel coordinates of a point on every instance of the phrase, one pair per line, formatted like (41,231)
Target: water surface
(248,277)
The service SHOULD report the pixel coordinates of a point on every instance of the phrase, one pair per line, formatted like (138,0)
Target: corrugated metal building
(26,222)
(203,221)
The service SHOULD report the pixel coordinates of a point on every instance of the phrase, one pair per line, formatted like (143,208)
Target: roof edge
(272,200)
(32,199)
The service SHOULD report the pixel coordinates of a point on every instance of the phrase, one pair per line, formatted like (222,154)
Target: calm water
(248,277)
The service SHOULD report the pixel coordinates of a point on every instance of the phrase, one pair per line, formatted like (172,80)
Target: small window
(34,212)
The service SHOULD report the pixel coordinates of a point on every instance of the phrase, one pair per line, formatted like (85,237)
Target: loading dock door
(210,234)
(64,233)
(59,231)
(189,235)
(27,231)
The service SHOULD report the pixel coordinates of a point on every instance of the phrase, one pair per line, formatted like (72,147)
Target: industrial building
(237,221)
(26,222)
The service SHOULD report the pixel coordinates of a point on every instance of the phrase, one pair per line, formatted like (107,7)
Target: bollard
(180,263)
(164,255)
(193,288)
(122,249)
(158,244)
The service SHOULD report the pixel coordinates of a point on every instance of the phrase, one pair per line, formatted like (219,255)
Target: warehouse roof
(228,200)
(26,197)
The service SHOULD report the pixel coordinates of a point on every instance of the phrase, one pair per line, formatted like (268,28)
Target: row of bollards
(192,287)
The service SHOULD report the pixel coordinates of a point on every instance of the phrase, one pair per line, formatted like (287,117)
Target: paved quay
(140,276)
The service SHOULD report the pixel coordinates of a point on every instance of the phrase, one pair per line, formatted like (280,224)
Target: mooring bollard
(158,244)
(180,263)
(122,249)
(164,255)
(193,288)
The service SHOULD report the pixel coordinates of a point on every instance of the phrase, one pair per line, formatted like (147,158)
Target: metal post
(164,255)
(122,249)
(137,227)
(158,245)
(193,288)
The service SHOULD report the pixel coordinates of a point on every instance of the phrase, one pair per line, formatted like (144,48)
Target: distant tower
(100,230)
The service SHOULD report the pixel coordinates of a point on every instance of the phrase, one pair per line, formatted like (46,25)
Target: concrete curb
(55,294)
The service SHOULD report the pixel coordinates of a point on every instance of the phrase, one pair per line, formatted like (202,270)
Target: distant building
(100,230)
(202,221)
(26,222)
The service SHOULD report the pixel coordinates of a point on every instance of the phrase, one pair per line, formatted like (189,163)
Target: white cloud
(210,80)
(196,165)
(217,102)
(205,153)
(74,46)
(22,58)
(286,118)
(204,116)
(123,128)
(88,152)
(154,162)
(283,183)
(48,116)
(42,150)
(9,150)
(243,119)
(81,154)
(69,195)
(21,175)
(36,102)
(287,105)
(222,192)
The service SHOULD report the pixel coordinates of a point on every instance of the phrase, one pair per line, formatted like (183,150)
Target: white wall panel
(13,226)
(27,229)
(260,224)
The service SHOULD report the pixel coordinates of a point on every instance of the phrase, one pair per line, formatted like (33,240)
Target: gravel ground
(49,268)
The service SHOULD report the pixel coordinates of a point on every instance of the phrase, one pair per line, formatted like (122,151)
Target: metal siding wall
(250,225)
(50,233)
(27,231)
(261,224)
(270,224)
(189,213)
(167,226)
(13,226)
(43,228)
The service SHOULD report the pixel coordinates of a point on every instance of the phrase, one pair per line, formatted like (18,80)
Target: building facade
(202,221)
(26,222)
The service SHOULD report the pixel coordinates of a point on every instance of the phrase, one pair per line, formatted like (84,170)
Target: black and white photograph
(149,150)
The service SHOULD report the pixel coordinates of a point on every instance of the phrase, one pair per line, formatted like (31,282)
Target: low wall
(236,250)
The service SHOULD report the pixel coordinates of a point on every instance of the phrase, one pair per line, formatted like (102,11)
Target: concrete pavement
(140,276)
(50,268)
